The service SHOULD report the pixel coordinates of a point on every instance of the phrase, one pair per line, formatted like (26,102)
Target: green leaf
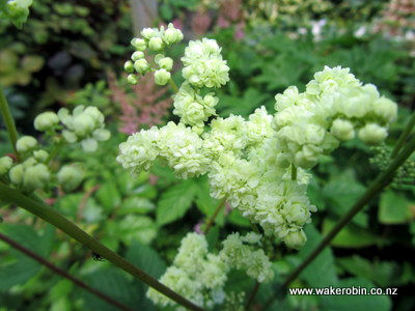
(236,218)
(108,195)
(174,203)
(394,208)
(350,236)
(206,204)
(146,258)
(341,192)
(135,205)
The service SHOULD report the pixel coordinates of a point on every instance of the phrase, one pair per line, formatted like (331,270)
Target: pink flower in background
(198,227)
(144,108)
(201,22)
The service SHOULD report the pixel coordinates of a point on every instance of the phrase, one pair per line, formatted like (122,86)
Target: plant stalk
(8,121)
(404,135)
(63,273)
(212,218)
(51,216)
(378,185)
(173,85)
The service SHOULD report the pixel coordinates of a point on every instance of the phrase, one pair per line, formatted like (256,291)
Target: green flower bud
(342,129)
(41,155)
(162,76)
(83,124)
(101,134)
(139,44)
(148,33)
(129,66)
(172,35)
(158,57)
(132,79)
(372,133)
(5,164)
(69,136)
(70,177)
(166,63)
(26,143)
(95,114)
(16,174)
(36,177)
(89,145)
(137,55)
(295,239)
(155,44)
(46,121)
(141,66)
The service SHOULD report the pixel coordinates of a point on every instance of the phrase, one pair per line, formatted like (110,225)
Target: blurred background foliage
(71,53)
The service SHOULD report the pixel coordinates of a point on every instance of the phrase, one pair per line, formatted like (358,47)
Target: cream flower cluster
(153,40)
(259,164)
(203,64)
(335,107)
(85,125)
(196,274)
(240,253)
(200,276)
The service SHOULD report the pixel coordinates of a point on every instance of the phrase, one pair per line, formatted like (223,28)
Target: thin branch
(252,295)
(51,216)
(212,218)
(404,135)
(63,273)
(376,187)
(8,121)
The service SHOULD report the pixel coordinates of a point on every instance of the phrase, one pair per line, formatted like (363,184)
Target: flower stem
(51,216)
(63,273)
(378,185)
(252,295)
(9,121)
(173,85)
(293,172)
(404,135)
(212,218)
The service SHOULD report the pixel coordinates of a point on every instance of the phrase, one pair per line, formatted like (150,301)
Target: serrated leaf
(108,195)
(146,258)
(135,205)
(394,208)
(174,202)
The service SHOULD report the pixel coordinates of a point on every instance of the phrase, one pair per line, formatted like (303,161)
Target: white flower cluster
(155,40)
(249,162)
(192,108)
(334,107)
(178,145)
(240,253)
(85,125)
(203,64)
(200,276)
(196,274)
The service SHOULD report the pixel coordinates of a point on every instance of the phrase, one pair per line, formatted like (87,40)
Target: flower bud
(83,124)
(139,44)
(137,55)
(155,44)
(132,79)
(129,66)
(295,239)
(342,129)
(101,134)
(162,76)
(25,144)
(148,33)
(36,177)
(41,155)
(89,145)
(372,133)
(172,35)
(46,121)
(16,174)
(69,136)
(141,66)
(166,63)
(5,164)
(70,177)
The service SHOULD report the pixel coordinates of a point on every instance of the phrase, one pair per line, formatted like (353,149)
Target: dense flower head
(203,64)
(250,161)
(196,274)
(85,125)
